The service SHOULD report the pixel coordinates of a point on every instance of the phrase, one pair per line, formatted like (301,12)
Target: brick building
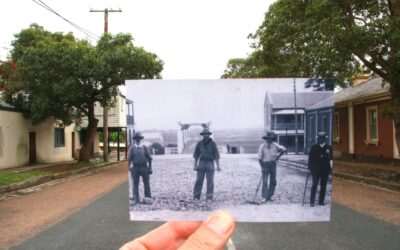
(360,129)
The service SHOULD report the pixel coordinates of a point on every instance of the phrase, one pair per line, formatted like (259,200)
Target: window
(1,142)
(372,124)
(336,131)
(59,139)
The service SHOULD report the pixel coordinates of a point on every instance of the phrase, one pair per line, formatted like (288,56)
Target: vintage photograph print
(259,148)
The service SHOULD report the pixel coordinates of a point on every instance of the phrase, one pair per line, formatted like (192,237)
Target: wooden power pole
(105,111)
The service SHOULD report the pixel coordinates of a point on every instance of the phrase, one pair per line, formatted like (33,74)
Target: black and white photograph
(258,148)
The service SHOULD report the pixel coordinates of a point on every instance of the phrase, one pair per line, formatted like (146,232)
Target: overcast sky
(237,104)
(194,38)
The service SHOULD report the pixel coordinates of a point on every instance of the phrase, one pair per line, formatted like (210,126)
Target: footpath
(380,175)
(34,175)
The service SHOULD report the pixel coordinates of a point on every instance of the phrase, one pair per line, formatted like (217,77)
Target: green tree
(331,39)
(62,78)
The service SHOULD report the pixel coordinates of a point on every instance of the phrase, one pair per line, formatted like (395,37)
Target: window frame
(336,126)
(59,137)
(368,124)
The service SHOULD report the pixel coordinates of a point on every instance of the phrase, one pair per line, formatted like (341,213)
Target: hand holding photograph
(258,148)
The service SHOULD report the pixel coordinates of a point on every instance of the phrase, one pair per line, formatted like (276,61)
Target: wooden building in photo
(319,118)
(360,129)
(280,116)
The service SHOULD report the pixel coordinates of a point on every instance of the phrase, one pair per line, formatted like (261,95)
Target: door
(311,132)
(73,144)
(32,147)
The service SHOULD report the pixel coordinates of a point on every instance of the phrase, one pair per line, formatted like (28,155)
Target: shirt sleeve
(147,153)
(130,155)
(196,153)
(260,152)
(279,147)
(310,158)
(216,152)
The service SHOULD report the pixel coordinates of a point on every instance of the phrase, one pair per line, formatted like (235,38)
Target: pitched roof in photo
(326,103)
(303,99)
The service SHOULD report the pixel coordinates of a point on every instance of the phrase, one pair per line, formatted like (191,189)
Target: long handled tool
(305,188)
(255,195)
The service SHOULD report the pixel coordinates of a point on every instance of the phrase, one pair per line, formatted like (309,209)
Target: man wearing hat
(319,163)
(268,154)
(139,164)
(205,153)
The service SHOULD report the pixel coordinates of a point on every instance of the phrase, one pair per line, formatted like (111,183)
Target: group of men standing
(206,158)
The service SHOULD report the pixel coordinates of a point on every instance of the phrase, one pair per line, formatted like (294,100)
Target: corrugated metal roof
(303,99)
(369,88)
(5,105)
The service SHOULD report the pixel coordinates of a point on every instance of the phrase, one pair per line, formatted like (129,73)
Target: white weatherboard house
(120,118)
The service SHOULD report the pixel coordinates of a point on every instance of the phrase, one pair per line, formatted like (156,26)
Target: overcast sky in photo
(228,103)
(194,38)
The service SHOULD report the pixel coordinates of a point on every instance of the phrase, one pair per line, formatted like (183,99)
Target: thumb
(212,234)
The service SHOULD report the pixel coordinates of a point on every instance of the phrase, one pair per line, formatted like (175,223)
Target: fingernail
(220,222)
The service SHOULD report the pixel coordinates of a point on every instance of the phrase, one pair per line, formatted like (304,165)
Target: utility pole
(105,111)
(296,150)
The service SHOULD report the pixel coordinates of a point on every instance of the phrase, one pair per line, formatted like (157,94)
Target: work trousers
(138,172)
(322,179)
(268,171)
(205,168)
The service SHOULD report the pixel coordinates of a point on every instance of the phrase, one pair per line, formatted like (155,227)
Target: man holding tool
(268,155)
(319,163)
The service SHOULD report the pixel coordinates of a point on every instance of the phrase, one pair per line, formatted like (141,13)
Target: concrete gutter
(43,179)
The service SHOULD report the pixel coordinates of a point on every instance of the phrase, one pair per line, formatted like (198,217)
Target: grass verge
(9,178)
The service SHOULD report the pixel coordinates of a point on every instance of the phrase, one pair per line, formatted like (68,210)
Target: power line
(81,29)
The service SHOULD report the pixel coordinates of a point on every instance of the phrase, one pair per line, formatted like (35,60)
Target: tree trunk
(397,131)
(84,152)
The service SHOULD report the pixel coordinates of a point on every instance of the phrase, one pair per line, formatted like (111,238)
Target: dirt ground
(23,216)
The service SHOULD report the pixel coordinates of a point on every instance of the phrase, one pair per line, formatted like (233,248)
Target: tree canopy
(60,77)
(327,39)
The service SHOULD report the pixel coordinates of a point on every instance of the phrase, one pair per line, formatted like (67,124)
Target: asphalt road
(104,224)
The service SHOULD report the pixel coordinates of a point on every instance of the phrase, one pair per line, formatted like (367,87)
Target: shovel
(255,195)
(305,188)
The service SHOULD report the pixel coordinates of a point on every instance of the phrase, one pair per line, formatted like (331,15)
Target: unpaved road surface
(234,188)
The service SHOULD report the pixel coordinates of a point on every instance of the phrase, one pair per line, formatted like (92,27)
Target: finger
(168,236)
(212,234)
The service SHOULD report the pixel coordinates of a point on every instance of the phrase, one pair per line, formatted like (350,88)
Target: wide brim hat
(138,135)
(205,131)
(269,135)
(322,134)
